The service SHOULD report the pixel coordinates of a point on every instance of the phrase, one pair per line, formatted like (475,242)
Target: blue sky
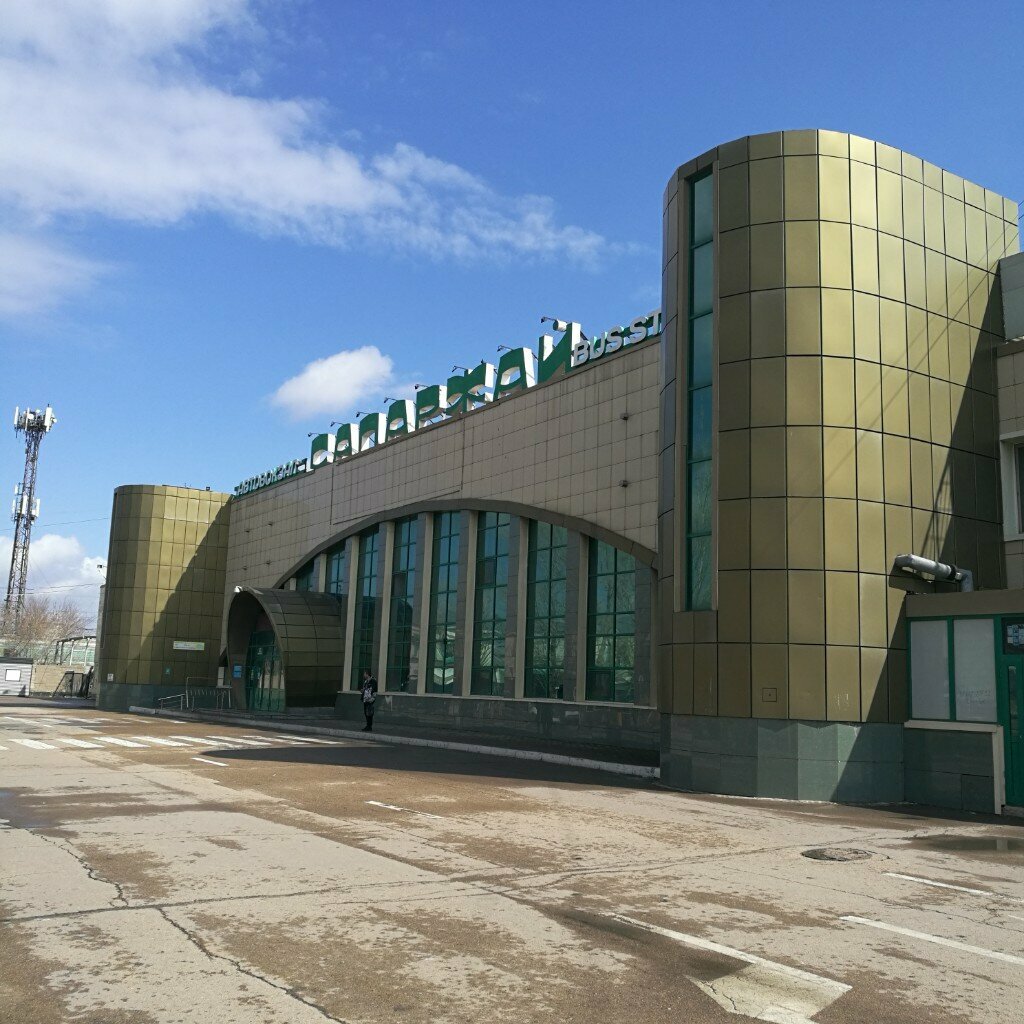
(200,198)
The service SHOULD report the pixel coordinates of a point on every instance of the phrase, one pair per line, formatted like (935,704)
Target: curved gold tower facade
(164,595)
(828,402)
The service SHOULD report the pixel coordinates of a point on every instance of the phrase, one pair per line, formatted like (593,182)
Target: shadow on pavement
(351,754)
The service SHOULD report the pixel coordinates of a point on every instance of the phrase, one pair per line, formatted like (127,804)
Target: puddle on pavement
(969,844)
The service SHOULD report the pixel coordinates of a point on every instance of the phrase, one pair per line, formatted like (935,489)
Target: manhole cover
(839,853)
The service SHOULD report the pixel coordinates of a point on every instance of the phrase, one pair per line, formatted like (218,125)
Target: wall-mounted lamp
(390,399)
(555,320)
(416,387)
(358,413)
(312,433)
(464,369)
(504,348)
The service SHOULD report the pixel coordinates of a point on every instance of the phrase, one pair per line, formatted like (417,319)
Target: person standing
(369,697)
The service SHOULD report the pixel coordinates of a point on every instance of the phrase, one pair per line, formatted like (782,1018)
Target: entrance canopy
(309,630)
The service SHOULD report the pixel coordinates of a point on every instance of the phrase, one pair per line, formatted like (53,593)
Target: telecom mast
(33,423)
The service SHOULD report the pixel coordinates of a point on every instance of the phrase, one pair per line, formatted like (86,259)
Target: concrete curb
(639,771)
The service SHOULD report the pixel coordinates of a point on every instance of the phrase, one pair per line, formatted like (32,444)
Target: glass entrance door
(264,680)
(1011,706)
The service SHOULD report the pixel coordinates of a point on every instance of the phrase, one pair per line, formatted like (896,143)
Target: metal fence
(198,698)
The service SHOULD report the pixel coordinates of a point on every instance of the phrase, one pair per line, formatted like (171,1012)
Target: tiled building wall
(165,579)
(855,419)
(563,447)
(1010,378)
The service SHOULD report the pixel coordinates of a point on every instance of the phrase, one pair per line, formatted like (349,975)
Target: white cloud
(106,112)
(36,274)
(58,567)
(337,384)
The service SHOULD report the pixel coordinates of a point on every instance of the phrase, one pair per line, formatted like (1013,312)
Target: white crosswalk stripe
(238,739)
(21,720)
(95,742)
(121,742)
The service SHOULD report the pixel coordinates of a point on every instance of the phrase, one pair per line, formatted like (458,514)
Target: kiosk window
(953,669)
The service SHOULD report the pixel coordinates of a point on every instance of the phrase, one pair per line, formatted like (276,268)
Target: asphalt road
(157,871)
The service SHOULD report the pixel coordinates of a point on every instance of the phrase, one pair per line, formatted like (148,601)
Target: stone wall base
(586,726)
(842,762)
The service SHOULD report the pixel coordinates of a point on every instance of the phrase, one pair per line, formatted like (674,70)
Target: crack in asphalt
(66,847)
(724,995)
(242,969)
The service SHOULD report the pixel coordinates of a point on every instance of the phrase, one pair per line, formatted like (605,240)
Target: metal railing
(207,698)
(198,698)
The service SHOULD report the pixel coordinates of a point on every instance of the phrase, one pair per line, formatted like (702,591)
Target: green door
(264,685)
(1011,706)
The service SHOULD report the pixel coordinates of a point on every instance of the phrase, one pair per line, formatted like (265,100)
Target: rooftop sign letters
(517,370)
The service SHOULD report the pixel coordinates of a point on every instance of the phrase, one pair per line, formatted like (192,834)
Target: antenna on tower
(33,423)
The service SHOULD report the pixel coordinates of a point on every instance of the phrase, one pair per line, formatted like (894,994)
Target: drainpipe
(941,571)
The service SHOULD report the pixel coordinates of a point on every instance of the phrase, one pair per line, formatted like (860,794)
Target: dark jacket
(371,685)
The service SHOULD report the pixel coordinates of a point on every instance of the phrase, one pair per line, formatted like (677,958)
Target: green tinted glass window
(304,578)
(700,361)
(401,619)
(545,611)
(337,571)
(490,604)
(611,624)
(444,583)
(701,367)
(703,279)
(363,653)
(703,214)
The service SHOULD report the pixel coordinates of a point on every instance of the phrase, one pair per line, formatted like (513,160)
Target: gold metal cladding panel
(855,411)
(768,323)
(167,555)
(734,680)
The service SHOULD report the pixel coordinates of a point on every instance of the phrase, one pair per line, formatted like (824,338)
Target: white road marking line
(160,741)
(266,741)
(3,748)
(307,739)
(937,939)
(956,888)
(238,739)
(117,741)
(764,990)
(407,810)
(34,744)
(192,739)
(85,744)
(24,720)
(209,760)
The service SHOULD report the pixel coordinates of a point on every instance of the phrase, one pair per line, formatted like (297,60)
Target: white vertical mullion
(350,614)
(582,592)
(426,583)
(470,606)
(385,603)
(521,588)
